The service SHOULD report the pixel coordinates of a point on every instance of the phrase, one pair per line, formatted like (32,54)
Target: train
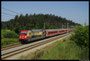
(31,35)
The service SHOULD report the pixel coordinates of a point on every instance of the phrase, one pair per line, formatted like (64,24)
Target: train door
(44,33)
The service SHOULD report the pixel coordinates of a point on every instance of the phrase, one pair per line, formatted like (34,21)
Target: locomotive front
(24,36)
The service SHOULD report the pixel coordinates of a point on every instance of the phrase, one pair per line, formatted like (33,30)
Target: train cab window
(23,33)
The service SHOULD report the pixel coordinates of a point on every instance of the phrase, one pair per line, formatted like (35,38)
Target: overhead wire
(9,10)
(8,14)
(4,13)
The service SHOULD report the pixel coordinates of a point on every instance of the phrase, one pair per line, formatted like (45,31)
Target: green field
(66,50)
(9,41)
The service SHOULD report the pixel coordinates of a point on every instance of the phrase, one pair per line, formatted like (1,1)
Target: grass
(8,41)
(61,50)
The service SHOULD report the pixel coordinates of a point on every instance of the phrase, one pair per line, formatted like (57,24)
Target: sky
(77,11)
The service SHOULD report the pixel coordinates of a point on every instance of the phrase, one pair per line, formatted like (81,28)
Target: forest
(37,21)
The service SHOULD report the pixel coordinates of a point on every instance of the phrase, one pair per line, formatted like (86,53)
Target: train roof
(38,30)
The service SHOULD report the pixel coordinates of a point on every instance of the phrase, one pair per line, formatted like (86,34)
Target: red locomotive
(30,35)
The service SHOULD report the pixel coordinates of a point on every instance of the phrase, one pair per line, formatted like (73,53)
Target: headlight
(25,36)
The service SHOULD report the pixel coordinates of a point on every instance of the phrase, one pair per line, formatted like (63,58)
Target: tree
(17,29)
(16,17)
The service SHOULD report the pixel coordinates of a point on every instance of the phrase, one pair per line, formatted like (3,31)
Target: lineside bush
(81,36)
(8,37)
(8,34)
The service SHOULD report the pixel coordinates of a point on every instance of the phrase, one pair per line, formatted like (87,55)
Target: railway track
(11,46)
(12,53)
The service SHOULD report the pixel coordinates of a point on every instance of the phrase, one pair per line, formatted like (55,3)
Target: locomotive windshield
(23,33)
